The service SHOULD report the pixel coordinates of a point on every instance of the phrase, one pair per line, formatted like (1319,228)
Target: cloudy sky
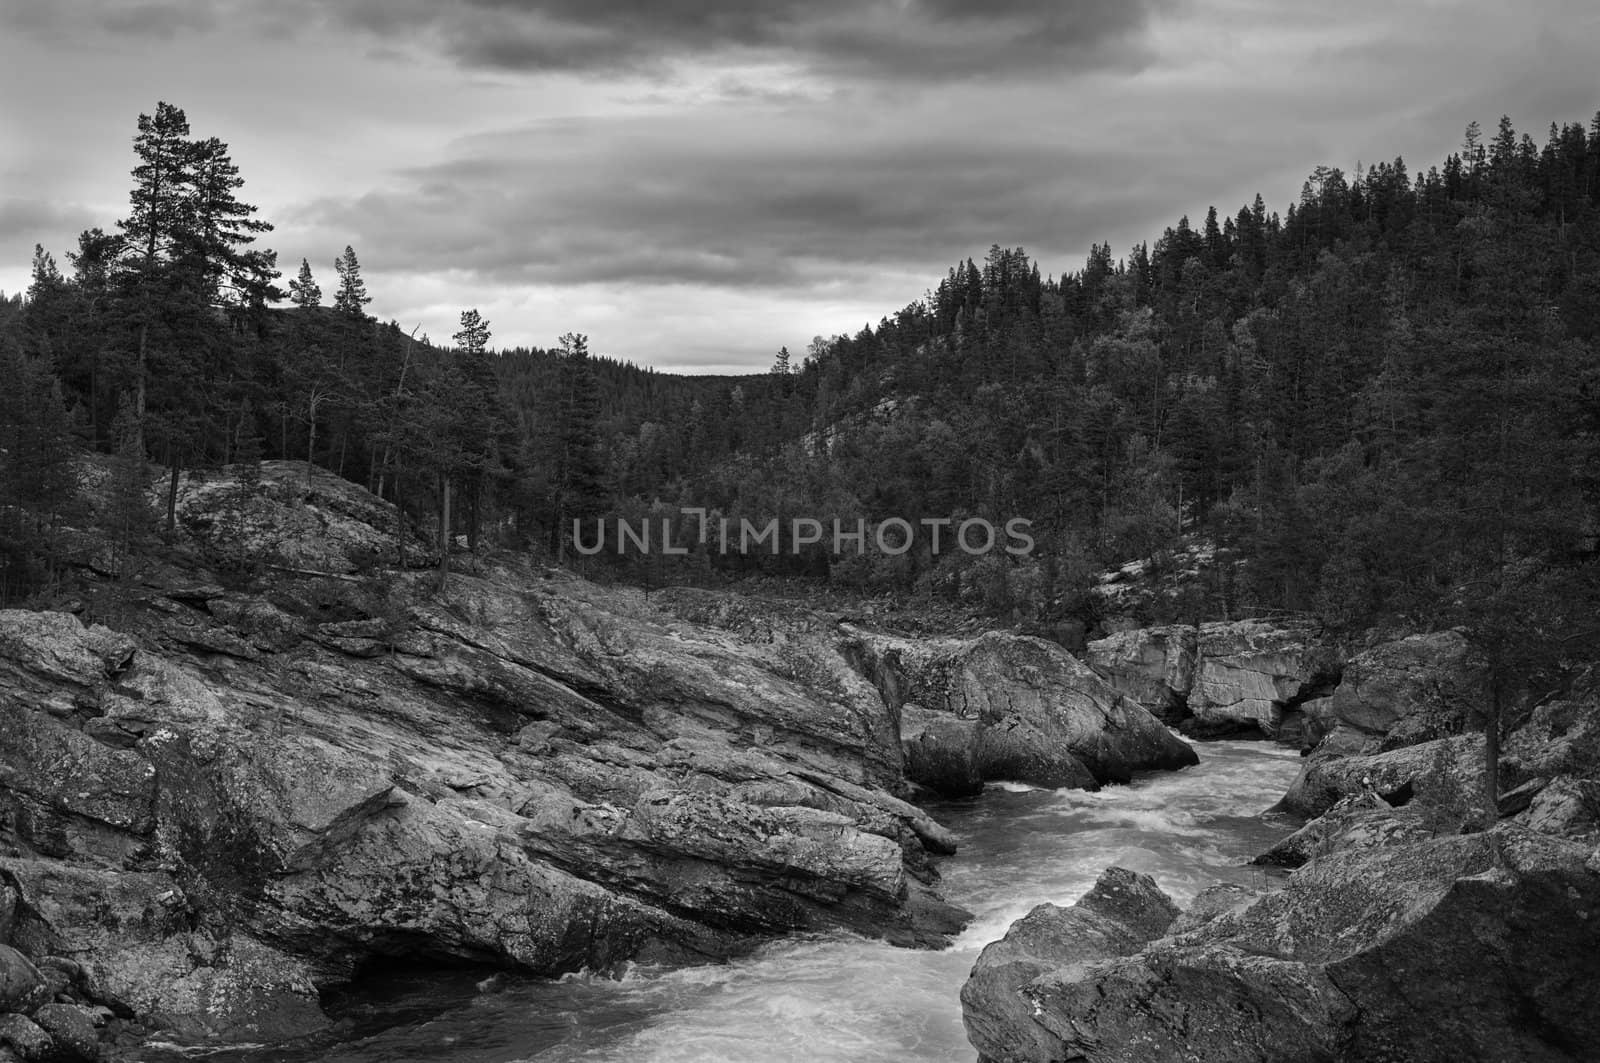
(694,183)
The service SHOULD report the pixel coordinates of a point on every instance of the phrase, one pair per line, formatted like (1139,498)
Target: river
(839,997)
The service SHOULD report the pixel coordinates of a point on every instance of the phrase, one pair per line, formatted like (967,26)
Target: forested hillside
(1379,406)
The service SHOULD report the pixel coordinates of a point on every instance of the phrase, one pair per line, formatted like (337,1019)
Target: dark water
(839,997)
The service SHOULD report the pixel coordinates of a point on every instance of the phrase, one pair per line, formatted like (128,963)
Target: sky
(695,183)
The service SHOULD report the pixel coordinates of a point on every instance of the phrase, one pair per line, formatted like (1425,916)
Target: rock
(1220,677)
(1558,738)
(1122,912)
(1247,673)
(47,653)
(1317,721)
(1154,666)
(299,517)
(941,751)
(1520,797)
(1412,690)
(1445,772)
(73,1030)
(8,911)
(1360,820)
(265,626)
(1211,902)
(1180,1004)
(22,987)
(1018,751)
(68,774)
(24,1037)
(1567,807)
(1042,717)
(1478,947)
(141,952)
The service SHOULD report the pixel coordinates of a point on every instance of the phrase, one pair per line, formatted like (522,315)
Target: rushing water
(839,997)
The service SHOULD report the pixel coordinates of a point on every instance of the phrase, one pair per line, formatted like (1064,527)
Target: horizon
(695,190)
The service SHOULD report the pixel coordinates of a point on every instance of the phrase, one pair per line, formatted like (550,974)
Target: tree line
(1377,406)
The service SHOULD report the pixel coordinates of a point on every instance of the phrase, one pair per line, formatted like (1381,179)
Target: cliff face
(1222,677)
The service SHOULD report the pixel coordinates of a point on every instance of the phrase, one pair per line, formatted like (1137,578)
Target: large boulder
(1446,773)
(1248,673)
(1479,947)
(1122,912)
(298,516)
(1219,677)
(1020,708)
(1393,727)
(941,751)
(1559,737)
(22,987)
(71,1027)
(1362,820)
(1154,666)
(1411,690)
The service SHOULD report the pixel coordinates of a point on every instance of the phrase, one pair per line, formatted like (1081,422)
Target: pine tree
(352,297)
(579,473)
(221,228)
(487,429)
(473,339)
(304,291)
(185,253)
(160,208)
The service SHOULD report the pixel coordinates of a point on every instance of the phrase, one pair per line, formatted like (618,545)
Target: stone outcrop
(1154,666)
(544,777)
(1474,947)
(286,763)
(1394,727)
(1248,672)
(248,793)
(1122,912)
(1446,772)
(1362,820)
(1013,707)
(1219,678)
(1410,690)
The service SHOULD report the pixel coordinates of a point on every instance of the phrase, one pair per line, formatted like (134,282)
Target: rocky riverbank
(1415,927)
(276,760)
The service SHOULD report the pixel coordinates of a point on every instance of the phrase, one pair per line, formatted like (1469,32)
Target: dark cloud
(72,19)
(745,202)
(898,39)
